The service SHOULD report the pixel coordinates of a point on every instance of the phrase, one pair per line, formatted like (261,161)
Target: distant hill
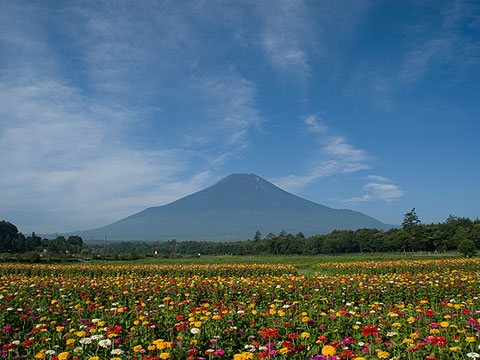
(233,209)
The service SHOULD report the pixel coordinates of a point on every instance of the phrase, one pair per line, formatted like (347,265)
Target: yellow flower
(383,354)
(444,324)
(59,328)
(305,335)
(359,358)
(63,356)
(197,323)
(470,339)
(328,350)
(94,358)
(117,358)
(70,341)
(137,348)
(164,355)
(151,347)
(243,356)
(40,355)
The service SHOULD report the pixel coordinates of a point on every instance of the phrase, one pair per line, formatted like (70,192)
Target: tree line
(14,242)
(455,233)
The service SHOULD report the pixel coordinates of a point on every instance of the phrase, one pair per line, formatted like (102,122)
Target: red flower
(299,348)
(193,351)
(370,330)
(322,338)
(269,332)
(438,341)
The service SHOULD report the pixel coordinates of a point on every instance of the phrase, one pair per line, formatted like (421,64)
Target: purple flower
(219,352)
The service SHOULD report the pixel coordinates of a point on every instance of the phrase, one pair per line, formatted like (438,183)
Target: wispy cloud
(447,44)
(285,33)
(380,188)
(451,48)
(230,101)
(71,139)
(62,154)
(335,156)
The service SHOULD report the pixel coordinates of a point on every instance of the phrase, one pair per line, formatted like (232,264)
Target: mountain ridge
(233,209)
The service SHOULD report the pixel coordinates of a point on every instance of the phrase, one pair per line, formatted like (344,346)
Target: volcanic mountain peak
(233,208)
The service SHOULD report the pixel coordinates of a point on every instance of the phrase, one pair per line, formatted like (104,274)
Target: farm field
(388,309)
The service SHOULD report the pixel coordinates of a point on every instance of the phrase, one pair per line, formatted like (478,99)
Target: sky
(110,107)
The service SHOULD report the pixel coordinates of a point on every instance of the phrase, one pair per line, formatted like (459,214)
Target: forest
(455,233)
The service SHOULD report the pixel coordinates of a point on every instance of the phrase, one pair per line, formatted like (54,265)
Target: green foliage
(467,247)
(14,242)
(413,237)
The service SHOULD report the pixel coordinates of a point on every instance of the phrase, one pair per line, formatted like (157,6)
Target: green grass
(303,263)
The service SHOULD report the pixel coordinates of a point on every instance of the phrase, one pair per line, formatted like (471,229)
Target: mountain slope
(232,209)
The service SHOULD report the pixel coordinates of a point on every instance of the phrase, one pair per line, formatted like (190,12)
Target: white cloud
(314,124)
(284,37)
(229,100)
(73,157)
(381,188)
(335,156)
(378,178)
(63,154)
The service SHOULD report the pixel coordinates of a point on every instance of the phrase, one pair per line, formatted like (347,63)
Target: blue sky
(109,107)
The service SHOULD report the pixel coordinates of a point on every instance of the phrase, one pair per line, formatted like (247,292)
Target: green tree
(411,225)
(410,219)
(467,247)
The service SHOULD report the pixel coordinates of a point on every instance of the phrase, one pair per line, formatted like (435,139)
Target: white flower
(50,352)
(85,340)
(195,331)
(105,343)
(97,337)
(95,320)
(117,352)
(473,355)
(78,350)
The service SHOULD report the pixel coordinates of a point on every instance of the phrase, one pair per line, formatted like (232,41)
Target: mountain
(233,209)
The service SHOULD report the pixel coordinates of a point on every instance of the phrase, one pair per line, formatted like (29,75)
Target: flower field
(387,310)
